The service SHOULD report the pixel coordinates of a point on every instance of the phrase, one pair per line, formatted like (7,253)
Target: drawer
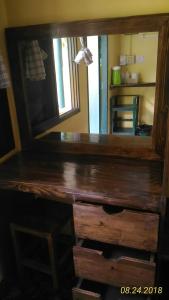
(113,265)
(116,226)
(88,290)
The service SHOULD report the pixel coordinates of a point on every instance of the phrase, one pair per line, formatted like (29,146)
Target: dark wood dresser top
(97,144)
(68,178)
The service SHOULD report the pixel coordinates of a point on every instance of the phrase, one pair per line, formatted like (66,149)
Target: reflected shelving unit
(141,84)
(117,110)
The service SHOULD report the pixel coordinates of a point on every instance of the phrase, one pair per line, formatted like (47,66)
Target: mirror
(50,80)
(54,83)
(126,108)
(88,99)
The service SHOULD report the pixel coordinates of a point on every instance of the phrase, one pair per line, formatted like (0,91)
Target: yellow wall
(146,45)
(3,23)
(23,12)
(26,12)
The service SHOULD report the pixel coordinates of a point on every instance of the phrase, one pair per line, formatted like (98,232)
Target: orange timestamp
(146,290)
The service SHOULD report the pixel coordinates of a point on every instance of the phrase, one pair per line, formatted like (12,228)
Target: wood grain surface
(123,271)
(123,182)
(127,228)
(80,294)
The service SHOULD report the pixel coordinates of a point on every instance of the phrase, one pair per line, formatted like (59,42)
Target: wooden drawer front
(81,294)
(122,271)
(89,290)
(127,228)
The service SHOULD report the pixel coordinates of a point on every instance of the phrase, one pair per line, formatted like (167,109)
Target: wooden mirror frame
(134,24)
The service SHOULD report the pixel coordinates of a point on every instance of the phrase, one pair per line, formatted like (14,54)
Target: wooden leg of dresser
(53,261)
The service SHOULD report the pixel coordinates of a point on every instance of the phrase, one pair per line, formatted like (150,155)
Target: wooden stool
(41,229)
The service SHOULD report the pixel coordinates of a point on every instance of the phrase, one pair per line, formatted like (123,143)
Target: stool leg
(17,251)
(53,261)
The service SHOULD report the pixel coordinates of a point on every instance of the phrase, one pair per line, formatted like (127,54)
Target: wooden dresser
(117,208)
(117,242)
(115,185)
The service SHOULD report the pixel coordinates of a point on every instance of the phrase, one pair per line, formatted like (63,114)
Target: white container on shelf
(135,77)
(132,77)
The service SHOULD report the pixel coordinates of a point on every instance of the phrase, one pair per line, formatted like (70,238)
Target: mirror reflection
(115,93)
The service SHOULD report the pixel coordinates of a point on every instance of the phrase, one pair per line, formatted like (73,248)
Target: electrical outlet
(123,60)
(139,59)
(130,59)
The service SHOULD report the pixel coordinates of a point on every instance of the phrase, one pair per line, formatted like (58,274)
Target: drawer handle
(101,223)
(112,209)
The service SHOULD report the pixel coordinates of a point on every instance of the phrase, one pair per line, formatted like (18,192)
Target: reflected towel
(35,69)
(4,79)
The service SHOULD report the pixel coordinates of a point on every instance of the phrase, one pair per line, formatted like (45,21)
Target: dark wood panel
(41,95)
(122,271)
(162,91)
(166,166)
(132,24)
(14,53)
(7,259)
(127,228)
(6,134)
(80,294)
(123,182)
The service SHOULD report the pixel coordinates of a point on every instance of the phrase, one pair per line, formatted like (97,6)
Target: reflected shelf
(123,131)
(141,84)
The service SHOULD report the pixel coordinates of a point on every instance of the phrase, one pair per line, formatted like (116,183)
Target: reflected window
(66,73)
(98,84)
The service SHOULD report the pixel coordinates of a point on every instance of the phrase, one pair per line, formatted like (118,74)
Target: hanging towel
(4,79)
(84,54)
(35,56)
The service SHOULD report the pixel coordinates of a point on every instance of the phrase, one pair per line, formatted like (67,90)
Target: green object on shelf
(116,75)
